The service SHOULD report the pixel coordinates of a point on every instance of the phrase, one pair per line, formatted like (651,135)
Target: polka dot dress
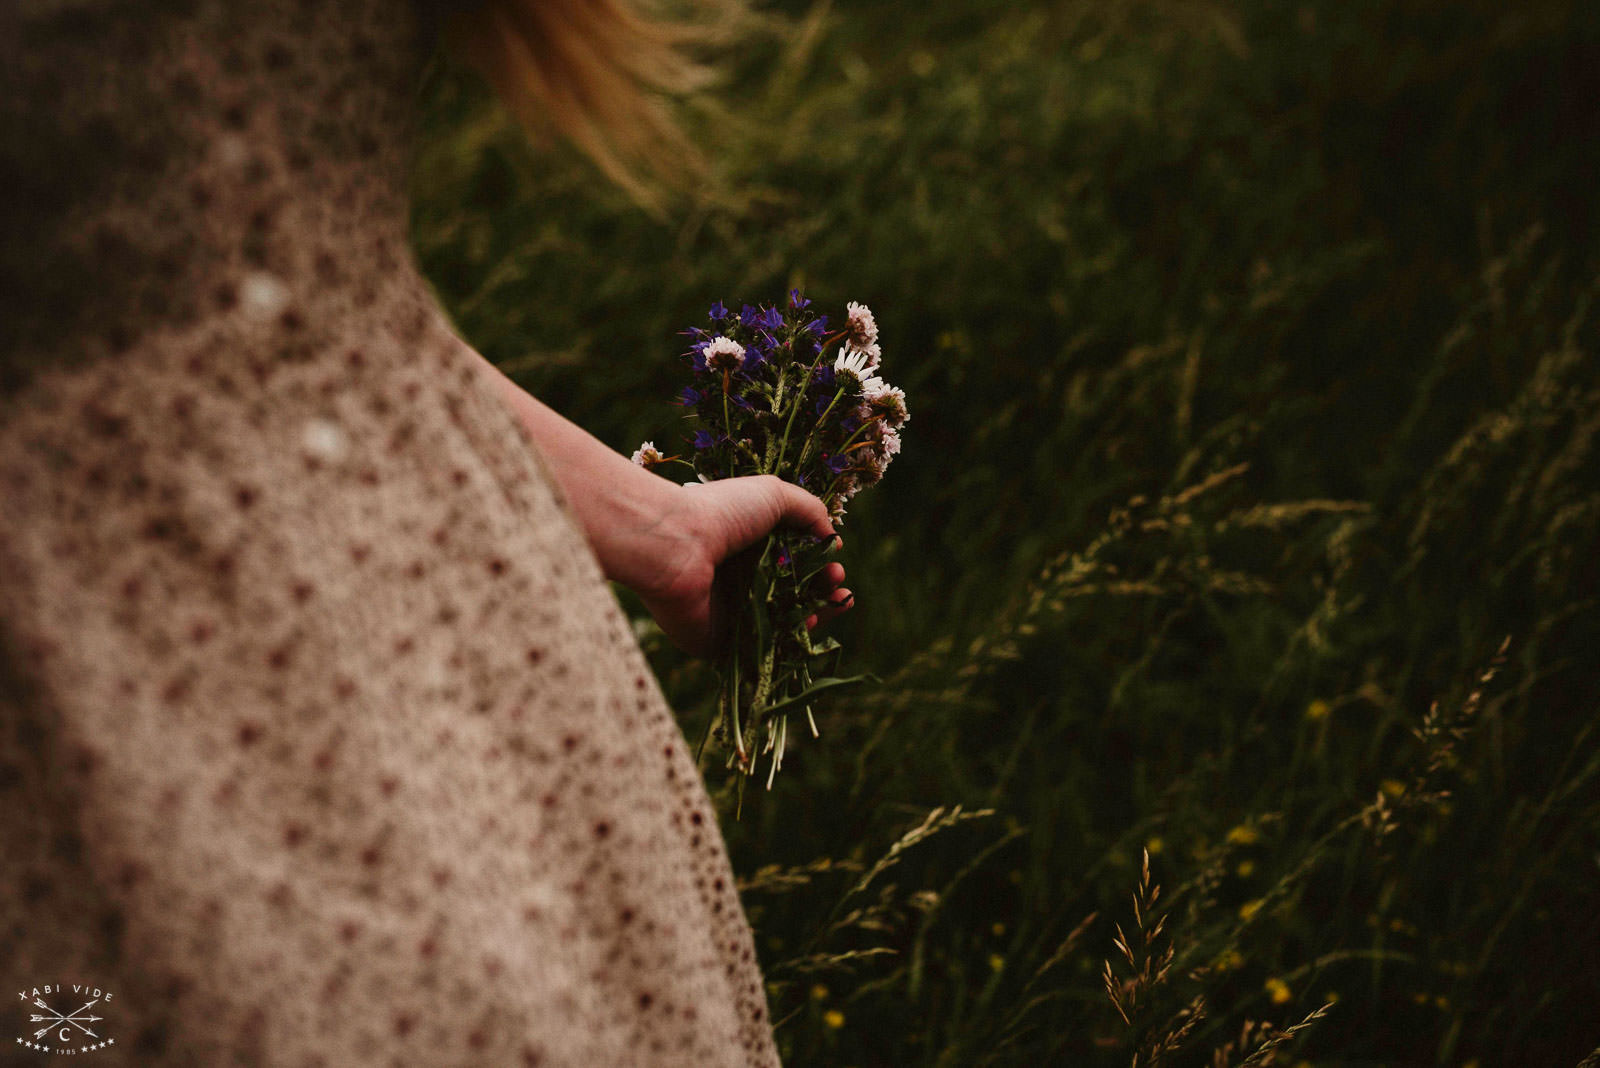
(322,741)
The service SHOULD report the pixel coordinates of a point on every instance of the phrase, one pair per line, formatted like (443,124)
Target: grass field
(1249,513)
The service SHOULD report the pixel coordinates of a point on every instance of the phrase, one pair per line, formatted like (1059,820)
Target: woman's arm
(662,540)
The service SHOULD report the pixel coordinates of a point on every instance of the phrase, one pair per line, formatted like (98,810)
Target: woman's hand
(660,539)
(676,563)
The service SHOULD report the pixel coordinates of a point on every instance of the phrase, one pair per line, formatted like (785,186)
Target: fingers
(841,602)
(739,512)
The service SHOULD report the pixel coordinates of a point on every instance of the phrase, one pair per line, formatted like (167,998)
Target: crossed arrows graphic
(56,1019)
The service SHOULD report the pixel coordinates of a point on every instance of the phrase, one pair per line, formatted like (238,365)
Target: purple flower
(690,396)
(771,319)
(747,315)
(719,310)
(703,439)
(796,301)
(818,326)
(837,464)
(758,350)
(697,355)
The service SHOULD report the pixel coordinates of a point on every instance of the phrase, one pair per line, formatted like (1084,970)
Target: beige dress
(322,740)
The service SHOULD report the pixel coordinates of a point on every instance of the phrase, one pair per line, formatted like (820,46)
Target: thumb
(776,503)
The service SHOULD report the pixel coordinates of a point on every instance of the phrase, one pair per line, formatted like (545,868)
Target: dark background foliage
(1251,354)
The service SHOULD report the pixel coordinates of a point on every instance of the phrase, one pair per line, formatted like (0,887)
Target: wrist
(634,520)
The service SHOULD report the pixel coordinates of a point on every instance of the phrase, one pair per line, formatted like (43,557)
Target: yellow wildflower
(1228,960)
(833,1018)
(1318,710)
(1278,990)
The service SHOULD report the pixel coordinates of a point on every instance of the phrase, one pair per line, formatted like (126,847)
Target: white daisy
(857,364)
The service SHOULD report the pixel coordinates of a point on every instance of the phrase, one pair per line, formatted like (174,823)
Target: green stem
(822,351)
(805,450)
(851,440)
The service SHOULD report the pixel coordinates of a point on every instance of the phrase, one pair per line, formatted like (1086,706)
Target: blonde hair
(598,72)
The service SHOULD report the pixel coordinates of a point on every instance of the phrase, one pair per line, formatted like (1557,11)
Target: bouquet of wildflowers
(774,392)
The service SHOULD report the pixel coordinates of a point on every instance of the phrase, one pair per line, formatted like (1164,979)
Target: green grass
(1252,361)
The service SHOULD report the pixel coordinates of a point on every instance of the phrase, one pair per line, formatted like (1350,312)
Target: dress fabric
(322,740)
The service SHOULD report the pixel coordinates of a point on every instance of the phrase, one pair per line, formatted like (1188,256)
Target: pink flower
(891,444)
(889,402)
(862,326)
